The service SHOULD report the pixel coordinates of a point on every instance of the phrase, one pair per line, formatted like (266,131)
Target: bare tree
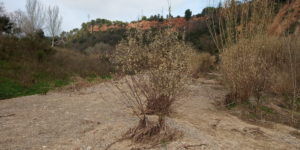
(169,9)
(54,22)
(34,18)
(2,10)
(17,18)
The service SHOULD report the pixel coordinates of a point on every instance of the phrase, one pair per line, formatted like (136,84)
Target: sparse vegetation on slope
(252,61)
(28,63)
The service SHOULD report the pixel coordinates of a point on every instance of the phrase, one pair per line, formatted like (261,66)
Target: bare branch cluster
(158,64)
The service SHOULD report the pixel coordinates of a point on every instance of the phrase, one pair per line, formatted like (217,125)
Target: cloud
(76,11)
(119,9)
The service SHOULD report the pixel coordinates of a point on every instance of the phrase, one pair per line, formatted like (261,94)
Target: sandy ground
(94,117)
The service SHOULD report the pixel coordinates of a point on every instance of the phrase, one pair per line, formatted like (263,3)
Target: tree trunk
(52,45)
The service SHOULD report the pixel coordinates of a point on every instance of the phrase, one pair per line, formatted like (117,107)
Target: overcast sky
(75,12)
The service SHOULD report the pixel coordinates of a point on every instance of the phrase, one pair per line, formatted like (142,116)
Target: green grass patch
(61,83)
(43,83)
(252,115)
(266,109)
(94,77)
(231,106)
(106,77)
(38,88)
(11,89)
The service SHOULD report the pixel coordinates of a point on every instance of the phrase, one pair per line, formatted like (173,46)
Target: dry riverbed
(94,117)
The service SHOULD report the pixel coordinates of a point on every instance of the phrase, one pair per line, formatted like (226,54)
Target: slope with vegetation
(260,70)
(30,64)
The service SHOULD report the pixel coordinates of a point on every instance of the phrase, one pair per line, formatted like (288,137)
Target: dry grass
(201,63)
(252,67)
(246,51)
(253,62)
(76,63)
(234,21)
(247,65)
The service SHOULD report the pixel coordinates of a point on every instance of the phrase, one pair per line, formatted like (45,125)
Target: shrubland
(254,63)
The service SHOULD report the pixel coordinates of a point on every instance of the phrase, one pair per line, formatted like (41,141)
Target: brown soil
(95,117)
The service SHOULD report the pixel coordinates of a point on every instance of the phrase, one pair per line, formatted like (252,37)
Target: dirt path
(94,117)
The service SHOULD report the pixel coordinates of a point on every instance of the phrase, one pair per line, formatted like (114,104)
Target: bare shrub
(286,77)
(244,61)
(159,66)
(238,71)
(160,62)
(262,64)
(247,66)
(201,63)
(281,83)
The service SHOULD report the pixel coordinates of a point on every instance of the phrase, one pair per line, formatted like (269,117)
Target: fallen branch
(9,115)
(189,146)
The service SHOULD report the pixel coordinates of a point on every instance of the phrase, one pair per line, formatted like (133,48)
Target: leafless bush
(262,64)
(282,77)
(247,66)
(159,63)
(159,66)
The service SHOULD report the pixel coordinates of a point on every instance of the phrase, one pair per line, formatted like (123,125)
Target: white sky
(75,12)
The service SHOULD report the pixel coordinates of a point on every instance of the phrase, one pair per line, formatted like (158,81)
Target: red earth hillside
(287,20)
(175,23)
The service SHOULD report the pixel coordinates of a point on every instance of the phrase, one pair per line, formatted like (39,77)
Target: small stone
(89,148)
(152,118)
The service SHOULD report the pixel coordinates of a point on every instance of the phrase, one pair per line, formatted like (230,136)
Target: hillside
(175,23)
